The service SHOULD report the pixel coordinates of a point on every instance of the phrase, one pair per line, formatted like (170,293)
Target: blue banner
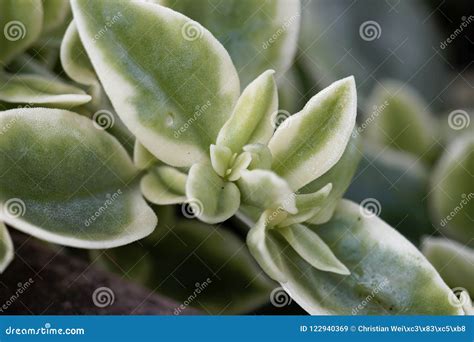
(236,328)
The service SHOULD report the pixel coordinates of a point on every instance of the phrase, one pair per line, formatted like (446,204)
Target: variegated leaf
(388,274)
(176,115)
(68,182)
(38,90)
(312,141)
(250,122)
(214,199)
(164,185)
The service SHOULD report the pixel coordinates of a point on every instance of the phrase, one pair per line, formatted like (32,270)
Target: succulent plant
(177,113)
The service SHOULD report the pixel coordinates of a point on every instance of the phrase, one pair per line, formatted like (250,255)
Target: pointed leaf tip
(313,140)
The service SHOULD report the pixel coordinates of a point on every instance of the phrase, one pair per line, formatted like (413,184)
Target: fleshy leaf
(216,200)
(310,142)
(164,185)
(312,248)
(220,159)
(266,190)
(261,156)
(240,164)
(383,265)
(259,35)
(399,119)
(340,176)
(315,199)
(154,104)
(6,248)
(34,89)
(67,182)
(452,260)
(250,122)
(452,191)
(74,59)
(263,248)
(21,23)
(309,206)
(142,158)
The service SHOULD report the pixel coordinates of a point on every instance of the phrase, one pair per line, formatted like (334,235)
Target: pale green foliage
(452,190)
(173,92)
